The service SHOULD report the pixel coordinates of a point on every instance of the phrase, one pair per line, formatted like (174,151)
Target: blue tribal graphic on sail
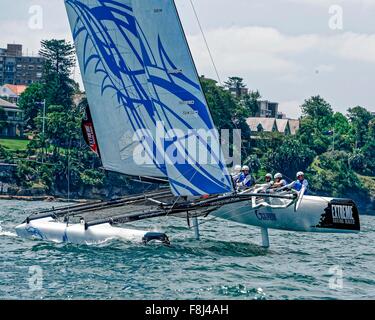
(145,82)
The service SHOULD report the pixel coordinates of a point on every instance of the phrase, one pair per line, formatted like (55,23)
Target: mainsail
(146,102)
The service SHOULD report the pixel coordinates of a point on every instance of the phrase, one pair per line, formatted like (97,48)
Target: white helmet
(268,175)
(245,168)
(278,176)
(300,174)
(237,168)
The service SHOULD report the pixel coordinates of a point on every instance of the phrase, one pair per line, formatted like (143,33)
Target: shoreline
(43,198)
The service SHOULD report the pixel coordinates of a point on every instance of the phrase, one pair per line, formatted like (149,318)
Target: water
(227,263)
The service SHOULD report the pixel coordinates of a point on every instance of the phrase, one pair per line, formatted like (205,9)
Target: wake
(7,233)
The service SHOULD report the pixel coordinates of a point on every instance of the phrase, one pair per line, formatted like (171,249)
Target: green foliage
(319,110)
(342,137)
(62,127)
(25,174)
(317,119)
(222,104)
(360,119)
(92,178)
(250,103)
(369,148)
(331,175)
(31,103)
(59,60)
(289,157)
(227,112)
(5,155)
(358,161)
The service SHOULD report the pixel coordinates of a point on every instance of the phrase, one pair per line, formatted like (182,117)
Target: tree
(222,105)
(59,58)
(227,112)
(30,102)
(289,157)
(236,84)
(330,175)
(251,103)
(317,120)
(359,118)
(5,155)
(63,127)
(369,148)
(341,133)
(320,111)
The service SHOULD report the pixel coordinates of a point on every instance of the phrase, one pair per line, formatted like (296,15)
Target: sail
(146,102)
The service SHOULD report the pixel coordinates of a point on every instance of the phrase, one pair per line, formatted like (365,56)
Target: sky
(289,50)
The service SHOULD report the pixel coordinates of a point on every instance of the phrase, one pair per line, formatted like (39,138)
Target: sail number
(342,214)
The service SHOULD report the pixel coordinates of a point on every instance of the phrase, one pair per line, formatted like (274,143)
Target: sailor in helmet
(246,180)
(236,173)
(268,178)
(268,183)
(300,183)
(279,181)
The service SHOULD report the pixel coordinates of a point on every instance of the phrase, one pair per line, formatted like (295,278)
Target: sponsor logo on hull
(340,214)
(265,216)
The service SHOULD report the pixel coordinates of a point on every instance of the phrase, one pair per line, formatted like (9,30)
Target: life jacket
(298,185)
(247,179)
(236,177)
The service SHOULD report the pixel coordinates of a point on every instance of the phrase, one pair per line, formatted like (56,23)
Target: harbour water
(227,263)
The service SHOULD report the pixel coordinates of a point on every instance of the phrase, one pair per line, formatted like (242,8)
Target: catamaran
(148,119)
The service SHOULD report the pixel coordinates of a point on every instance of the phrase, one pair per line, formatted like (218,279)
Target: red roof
(16,89)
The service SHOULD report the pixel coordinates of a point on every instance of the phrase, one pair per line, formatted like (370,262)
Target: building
(294,125)
(264,125)
(267,109)
(12,122)
(12,92)
(238,92)
(17,69)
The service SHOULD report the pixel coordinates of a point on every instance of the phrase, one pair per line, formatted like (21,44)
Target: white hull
(312,214)
(49,230)
(315,214)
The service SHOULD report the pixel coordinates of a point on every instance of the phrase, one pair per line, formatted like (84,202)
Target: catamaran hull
(49,230)
(315,214)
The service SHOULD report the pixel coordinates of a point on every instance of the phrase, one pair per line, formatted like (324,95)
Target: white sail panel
(108,50)
(139,77)
(175,88)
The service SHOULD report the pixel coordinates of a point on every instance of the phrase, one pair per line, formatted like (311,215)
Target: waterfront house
(12,92)
(12,122)
(269,125)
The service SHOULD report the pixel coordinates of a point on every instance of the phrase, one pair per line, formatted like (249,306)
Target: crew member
(268,178)
(246,180)
(299,183)
(236,173)
(279,181)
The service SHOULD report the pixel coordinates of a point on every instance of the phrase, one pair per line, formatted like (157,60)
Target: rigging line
(206,42)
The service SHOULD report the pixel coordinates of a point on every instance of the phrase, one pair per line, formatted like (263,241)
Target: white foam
(7,233)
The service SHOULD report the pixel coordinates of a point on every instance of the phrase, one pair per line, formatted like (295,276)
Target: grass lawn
(14,144)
